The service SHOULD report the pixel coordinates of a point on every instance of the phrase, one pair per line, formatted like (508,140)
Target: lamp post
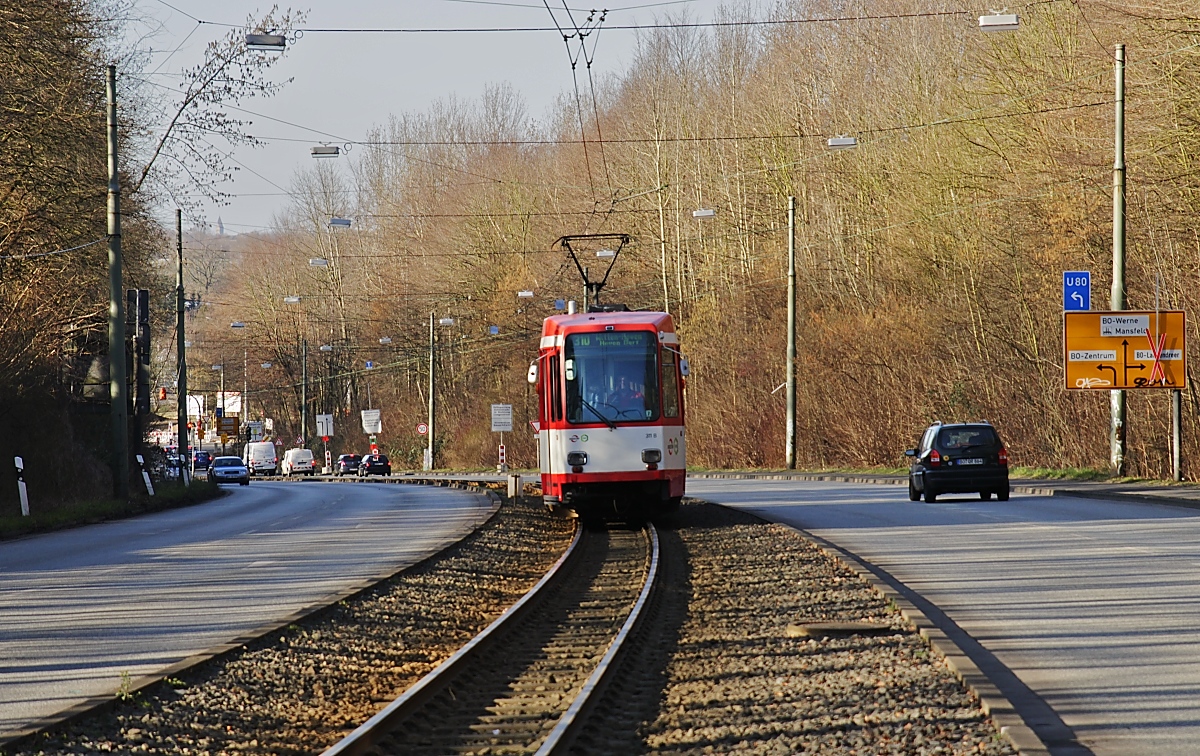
(181,346)
(118,390)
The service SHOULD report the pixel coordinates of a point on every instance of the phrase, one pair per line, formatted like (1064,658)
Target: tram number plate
(971,461)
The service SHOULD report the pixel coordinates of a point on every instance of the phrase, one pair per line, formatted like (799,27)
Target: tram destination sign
(1130,349)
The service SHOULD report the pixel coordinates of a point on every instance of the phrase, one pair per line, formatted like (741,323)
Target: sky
(345,83)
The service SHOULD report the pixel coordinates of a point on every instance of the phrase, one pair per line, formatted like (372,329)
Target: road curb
(99,703)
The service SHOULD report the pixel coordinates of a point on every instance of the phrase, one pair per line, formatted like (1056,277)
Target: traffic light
(191,426)
(162,393)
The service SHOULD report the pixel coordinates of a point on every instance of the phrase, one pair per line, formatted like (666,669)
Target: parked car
(958,458)
(298,461)
(260,458)
(201,460)
(374,464)
(346,464)
(229,470)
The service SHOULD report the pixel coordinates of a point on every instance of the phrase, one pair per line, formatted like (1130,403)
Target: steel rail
(571,721)
(364,736)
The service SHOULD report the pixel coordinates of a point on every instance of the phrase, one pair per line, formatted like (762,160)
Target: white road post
(21,486)
(145,475)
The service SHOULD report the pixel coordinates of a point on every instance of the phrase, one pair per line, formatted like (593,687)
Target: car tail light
(935,459)
(1002,457)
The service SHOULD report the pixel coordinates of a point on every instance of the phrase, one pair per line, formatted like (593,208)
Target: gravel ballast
(766,645)
(302,689)
(729,662)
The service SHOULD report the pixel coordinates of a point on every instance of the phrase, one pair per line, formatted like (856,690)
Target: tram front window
(612,376)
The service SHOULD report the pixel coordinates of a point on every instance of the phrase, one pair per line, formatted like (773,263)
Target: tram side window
(555,392)
(670,384)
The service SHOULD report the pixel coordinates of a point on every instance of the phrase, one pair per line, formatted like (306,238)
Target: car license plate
(971,461)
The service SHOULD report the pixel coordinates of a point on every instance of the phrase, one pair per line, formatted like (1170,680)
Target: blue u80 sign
(1077,290)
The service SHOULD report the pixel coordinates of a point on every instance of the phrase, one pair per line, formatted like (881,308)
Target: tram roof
(660,321)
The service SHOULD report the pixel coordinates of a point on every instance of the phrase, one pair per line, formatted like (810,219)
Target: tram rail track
(526,682)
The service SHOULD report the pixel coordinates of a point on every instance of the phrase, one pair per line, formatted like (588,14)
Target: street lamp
(326,347)
(291,300)
(842,142)
(318,262)
(386,340)
(704,212)
(998,21)
(339,223)
(325,151)
(267,42)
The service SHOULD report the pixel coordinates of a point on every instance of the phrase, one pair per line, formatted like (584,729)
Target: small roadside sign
(501,418)
(372,421)
(1077,290)
(325,425)
(422,428)
(370,364)
(1128,349)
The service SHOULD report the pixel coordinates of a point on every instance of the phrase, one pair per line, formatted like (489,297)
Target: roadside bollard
(514,485)
(145,475)
(21,486)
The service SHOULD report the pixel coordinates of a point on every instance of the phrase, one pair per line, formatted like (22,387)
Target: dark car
(346,464)
(958,458)
(374,464)
(202,459)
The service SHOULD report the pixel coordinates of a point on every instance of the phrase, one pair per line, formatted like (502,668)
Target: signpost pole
(1177,433)
(1117,429)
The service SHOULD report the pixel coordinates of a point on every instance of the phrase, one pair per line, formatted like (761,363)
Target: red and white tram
(610,407)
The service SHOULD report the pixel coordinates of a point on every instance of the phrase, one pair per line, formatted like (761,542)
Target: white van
(298,461)
(260,458)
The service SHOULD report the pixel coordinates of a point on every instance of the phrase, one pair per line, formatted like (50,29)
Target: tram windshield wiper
(598,414)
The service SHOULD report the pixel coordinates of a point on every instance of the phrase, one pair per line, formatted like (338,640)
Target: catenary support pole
(304,391)
(181,348)
(429,449)
(791,337)
(1118,430)
(118,389)
(1177,433)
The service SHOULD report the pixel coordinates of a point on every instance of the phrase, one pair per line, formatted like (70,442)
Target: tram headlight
(577,459)
(652,456)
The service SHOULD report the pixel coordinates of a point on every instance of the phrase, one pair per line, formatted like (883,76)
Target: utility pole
(245,393)
(118,389)
(429,449)
(304,390)
(222,404)
(181,378)
(1118,430)
(791,337)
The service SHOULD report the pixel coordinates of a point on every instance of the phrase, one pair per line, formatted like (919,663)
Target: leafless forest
(929,257)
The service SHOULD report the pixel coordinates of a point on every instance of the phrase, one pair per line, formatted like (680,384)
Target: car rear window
(966,436)
(379,458)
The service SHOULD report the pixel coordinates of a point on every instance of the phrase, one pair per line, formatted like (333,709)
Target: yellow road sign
(1125,350)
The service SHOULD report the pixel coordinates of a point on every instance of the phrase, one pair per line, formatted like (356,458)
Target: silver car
(229,470)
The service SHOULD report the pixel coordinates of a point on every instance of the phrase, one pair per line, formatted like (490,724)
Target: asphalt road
(1085,612)
(81,608)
